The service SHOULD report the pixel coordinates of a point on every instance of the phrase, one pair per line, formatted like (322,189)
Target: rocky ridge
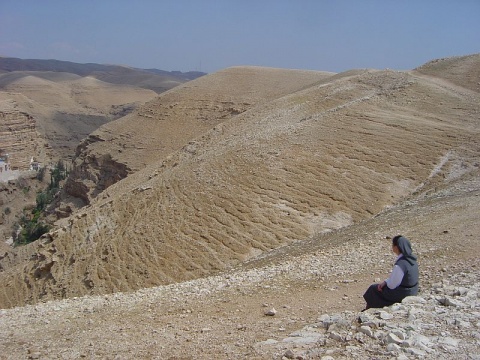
(18,137)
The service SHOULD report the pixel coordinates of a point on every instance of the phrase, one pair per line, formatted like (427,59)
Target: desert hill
(460,70)
(295,165)
(68,101)
(48,107)
(169,122)
(314,285)
(65,108)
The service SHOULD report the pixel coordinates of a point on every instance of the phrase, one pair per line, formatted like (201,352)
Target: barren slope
(176,117)
(287,170)
(461,70)
(222,317)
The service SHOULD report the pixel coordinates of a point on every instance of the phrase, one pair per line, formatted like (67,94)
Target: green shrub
(31,231)
(33,227)
(44,198)
(57,174)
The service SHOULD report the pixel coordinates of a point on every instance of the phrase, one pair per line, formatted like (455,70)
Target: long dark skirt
(387,297)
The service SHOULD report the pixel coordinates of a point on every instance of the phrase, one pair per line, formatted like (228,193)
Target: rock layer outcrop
(18,138)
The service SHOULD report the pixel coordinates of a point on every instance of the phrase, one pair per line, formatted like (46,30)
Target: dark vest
(410,277)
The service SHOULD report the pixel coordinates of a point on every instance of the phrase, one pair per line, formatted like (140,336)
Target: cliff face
(18,138)
(92,174)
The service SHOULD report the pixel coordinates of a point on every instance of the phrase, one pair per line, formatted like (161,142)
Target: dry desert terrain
(253,190)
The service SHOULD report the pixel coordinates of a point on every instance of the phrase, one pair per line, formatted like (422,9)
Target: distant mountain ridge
(152,79)
(70,100)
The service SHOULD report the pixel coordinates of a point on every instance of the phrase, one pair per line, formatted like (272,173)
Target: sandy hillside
(331,155)
(314,286)
(461,70)
(166,124)
(47,107)
(72,93)
(287,206)
(70,100)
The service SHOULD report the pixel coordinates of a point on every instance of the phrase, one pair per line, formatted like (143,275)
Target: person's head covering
(405,248)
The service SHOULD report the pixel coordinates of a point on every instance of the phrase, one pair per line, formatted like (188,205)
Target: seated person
(403,280)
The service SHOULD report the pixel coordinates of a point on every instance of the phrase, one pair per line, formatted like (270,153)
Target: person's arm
(394,280)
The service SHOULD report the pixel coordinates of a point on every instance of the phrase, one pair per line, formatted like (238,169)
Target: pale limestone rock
(393,339)
(414,300)
(270,312)
(367,330)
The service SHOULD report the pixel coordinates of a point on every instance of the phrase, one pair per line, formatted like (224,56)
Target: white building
(34,165)
(4,164)
(6,172)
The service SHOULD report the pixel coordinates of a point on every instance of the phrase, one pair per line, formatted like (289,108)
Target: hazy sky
(209,35)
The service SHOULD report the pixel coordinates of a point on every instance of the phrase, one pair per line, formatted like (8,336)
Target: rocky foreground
(444,323)
(193,320)
(302,301)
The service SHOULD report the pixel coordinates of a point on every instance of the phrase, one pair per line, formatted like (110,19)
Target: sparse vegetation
(32,229)
(57,173)
(32,223)
(41,173)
